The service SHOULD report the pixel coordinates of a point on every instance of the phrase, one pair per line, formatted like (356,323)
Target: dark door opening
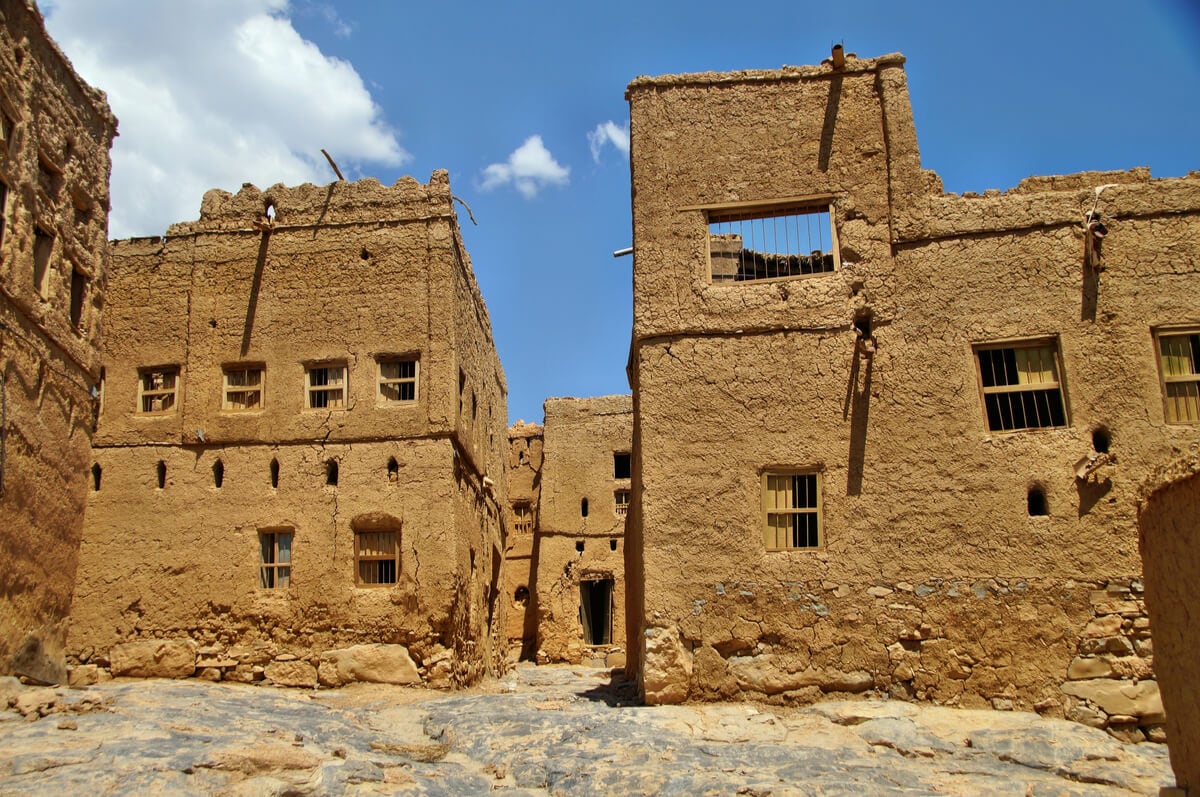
(595,611)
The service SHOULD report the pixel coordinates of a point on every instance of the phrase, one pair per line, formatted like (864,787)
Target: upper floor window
(243,388)
(522,517)
(275,565)
(791,510)
(376,557)
(43,248)
(621,464)
(397,379)
(1021,386)
(621,502)
(157,388)
(771,242)
(325,386)
(1179,362)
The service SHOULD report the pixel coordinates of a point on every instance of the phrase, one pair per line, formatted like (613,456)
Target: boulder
(380,664)
(1134,698)
(667,667)
(154,658)
(292,673)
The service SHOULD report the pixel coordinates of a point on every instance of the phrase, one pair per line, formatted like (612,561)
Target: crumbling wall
(525,441)
(54,168)
(581,548)
(1169,529)
(937,576)
(347,277)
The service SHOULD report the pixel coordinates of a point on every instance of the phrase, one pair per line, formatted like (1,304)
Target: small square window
(1179,365)
(376,557)
(79,286)
(325,386)
(397,380)
(791,506)
(243,388)
(621,465)
(157,389)
(621,500)
(771,242)
(1021,387)
(275,571)
(522,517)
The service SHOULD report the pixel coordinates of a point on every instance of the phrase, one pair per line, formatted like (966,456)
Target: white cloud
(212,95)
(530,168)
(609,133)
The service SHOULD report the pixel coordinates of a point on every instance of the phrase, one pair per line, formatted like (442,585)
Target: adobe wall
(1169,532)
(348,274)
(54,168)
(525,441)
(933,580)
(581,437)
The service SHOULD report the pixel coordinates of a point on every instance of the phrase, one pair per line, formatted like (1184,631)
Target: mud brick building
(888,438)
(299,468)
(525,442)
(55,136)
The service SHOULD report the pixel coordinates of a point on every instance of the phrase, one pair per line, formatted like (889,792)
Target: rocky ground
(538,730)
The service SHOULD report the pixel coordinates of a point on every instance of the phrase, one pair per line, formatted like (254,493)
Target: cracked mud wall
(349,275)
(54,169)
(582,435)
(932,579)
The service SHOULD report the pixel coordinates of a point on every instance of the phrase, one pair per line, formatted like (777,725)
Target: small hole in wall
(863,327)
(97,471)
(269,212)
(521,596)
(331,473)
(521,458)
(274,473)
(364,254)
(612,545)
(1036,502)
(161,473)
(579,546)
(393,469)
(218,474)
(1101,440)
(583,507)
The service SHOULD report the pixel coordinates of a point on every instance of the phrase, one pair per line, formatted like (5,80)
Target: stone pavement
(539,730)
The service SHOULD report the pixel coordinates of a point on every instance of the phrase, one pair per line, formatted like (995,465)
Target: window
(243,388)
(398,380)
(1179,361)
(43,247)
(79,284)
(771,242)
(621,498)
(275,572)
(522,517)
(1021,388)
(157,389)
(792,510)
(375,557)
(621,462)
(326,386)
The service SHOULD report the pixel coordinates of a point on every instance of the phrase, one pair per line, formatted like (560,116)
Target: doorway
(595,610)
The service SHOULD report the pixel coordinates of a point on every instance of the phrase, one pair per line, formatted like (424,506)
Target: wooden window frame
(228,389)
(398,382)
(360,558)
(149,393)
(1059,383)
(522,517)
(310,389)
(275,574)
(1166,381)
(768,530)
(621,507)
(776,211)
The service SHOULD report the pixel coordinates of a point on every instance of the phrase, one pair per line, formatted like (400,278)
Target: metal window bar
(375,553)
(792,504)
(243,389)
(770,244)
(326,387)
(1180,358)
(398,380)
(621,499)
(1021,388)
(158,390)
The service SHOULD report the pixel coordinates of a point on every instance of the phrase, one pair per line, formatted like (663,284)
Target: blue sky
(216,93)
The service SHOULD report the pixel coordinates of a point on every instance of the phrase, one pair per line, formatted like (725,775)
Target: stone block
(327,674)
(154,658)
(291,673)
(1133,698)
(1087,715)
(1106,626)
(878,592)
(1113,644)
(83,675)
(666,668)
(1082,668)
(374,663)
(615,660)
(209,674)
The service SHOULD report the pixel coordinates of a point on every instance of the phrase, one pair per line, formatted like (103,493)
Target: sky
(523,103)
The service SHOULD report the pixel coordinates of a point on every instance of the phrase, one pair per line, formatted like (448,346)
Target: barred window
(397,380)
(157,389)
(325,386)
(376,557)
(275,570)
(243,388)
(771,243)
(621,499)
(522,517)
(1179,361)
(792,510)
(1021,387)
